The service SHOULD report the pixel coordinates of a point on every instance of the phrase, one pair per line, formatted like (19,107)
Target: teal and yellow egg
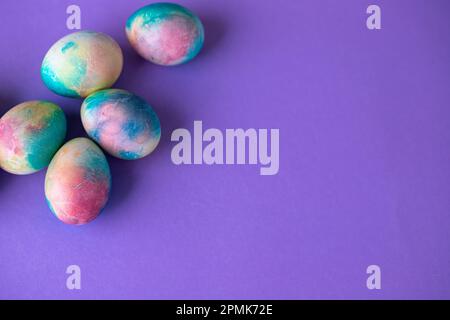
(82,63)
(30,134)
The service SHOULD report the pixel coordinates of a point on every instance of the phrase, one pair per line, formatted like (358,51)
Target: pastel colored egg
(81,63)
(165,33)
(30,134)
(122,123)
(78,182)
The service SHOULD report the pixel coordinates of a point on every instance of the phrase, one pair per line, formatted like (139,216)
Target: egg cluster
(86,64)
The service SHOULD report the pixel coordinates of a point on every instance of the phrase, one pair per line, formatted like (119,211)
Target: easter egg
(81,63)
(30,134)
(122,123)
(165,33)
(78,182)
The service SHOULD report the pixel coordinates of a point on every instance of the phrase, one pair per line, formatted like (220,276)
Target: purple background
(364,175)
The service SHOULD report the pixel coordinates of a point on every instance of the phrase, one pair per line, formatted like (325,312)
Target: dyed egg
(30,134)
(165,33)
(78,182)
(122,123)
(81,63)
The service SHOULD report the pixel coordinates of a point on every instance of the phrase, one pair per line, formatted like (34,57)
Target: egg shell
(78,182)
(30,134)
(122,123)
(81,63)
(165,33)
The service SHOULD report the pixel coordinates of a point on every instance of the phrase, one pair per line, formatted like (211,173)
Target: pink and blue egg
(81,63)
(122,123)
(78,182)
(30,134)
(165,33)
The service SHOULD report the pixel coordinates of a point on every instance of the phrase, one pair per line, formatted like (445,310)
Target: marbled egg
(78,182)
(81,63)
(30,134)
(165,33)
(122,123)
